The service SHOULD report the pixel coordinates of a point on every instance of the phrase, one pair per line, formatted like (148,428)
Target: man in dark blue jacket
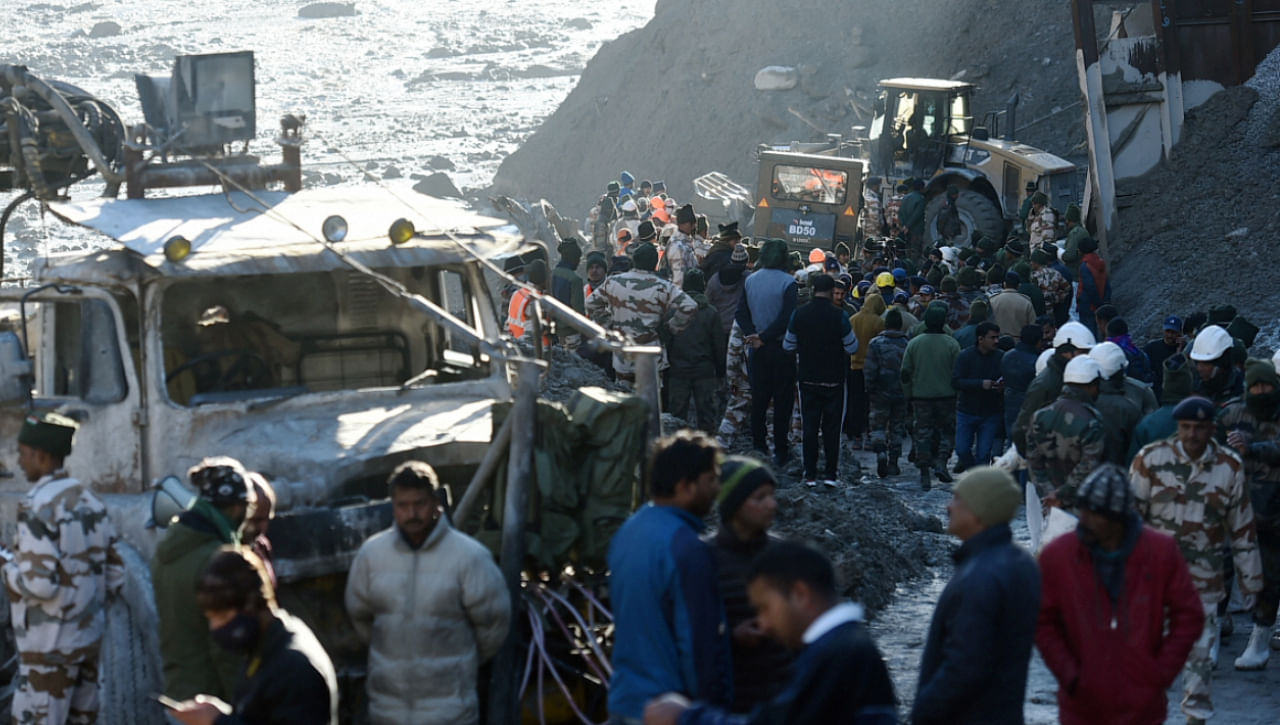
(1018,368)
(839,677)
(768,299)
(979,401)
(823,340)
(974,667)
(670,633)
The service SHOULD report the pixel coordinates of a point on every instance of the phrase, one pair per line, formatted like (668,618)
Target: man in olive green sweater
(193,664)
(926,380)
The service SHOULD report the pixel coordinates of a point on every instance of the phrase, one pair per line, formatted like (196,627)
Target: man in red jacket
(1105,590)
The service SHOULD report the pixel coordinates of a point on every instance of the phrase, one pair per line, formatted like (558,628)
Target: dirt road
(1241,698)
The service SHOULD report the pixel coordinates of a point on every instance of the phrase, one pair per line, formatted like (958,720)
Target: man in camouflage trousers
(1193,488)
(65,565)
(927,364)
(1065,441)
(1251,426)
(637,303)
(882,371)
(737,412)
(872,219)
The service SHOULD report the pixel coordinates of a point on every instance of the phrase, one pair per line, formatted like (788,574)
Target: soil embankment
(1201,229)
(676,98)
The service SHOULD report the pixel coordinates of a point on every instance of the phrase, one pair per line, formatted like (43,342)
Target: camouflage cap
(1106,491)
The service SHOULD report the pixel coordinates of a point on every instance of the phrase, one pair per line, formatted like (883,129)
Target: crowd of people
(1009,353)
(1168,454)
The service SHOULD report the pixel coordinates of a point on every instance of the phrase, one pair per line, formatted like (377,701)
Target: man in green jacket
(926,380)
(193,664)
(1071,340)
(911,217)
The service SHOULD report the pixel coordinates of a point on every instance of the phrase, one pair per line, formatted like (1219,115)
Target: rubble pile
(874,540)
(1210,211)
(683,95)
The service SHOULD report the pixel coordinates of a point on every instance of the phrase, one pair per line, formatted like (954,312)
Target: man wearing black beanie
(747,505)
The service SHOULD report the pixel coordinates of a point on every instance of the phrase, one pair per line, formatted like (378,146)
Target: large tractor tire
(976,212)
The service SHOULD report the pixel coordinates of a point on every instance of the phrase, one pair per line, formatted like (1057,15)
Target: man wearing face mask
(288,677)
(432,604)
(1106,592)
(747,507)
(1252,427)
(192,663)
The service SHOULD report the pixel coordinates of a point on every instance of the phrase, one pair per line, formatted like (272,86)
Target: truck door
(82,368)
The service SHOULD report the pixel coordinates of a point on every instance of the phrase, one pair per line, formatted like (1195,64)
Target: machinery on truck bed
(810,194)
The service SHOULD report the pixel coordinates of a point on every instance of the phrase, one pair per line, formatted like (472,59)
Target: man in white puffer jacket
(432,605)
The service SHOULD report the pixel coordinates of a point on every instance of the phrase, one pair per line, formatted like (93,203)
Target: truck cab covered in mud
(219,327)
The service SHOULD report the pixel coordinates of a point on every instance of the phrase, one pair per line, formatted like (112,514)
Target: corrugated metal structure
(1143,64)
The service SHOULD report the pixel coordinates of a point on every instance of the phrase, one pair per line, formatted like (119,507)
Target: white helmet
(1076,334)
(1211,343)
(1082,370)
(1042,362)
(1110,357)
(1275,359)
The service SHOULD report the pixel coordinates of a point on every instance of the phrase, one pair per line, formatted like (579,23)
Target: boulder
(776,78)
(327,10)
(437,184)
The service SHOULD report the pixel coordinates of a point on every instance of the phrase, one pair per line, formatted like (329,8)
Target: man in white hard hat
(1220,381)
(1071,340)
(1119,414)
(1065,441)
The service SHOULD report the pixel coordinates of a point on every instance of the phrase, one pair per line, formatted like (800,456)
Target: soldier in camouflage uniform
(65,565)
(637,303)
(1042,223)
(681,254)
(1251,425)
(882,371)
(1055,288)
(957,307)
(927,367)
(872,218)
(737,412)
(891,208)
(1194,489)
(1065,441)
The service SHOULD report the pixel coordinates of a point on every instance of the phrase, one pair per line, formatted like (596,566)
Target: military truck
(321,336)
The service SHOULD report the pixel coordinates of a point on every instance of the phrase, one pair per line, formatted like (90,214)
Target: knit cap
(1178,380)
(740,476)
(1106,491)
(990,493)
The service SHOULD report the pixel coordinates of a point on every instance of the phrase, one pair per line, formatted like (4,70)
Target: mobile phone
(167,701)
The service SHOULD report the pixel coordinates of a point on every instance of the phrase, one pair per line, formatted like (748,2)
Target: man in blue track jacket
(670,632)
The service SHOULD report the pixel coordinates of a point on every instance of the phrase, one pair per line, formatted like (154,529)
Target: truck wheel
(976,212)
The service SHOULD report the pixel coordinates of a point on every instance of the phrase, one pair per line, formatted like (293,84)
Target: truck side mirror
(15,369)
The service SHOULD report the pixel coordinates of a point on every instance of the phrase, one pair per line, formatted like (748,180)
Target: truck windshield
(807,183)
(255,336)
